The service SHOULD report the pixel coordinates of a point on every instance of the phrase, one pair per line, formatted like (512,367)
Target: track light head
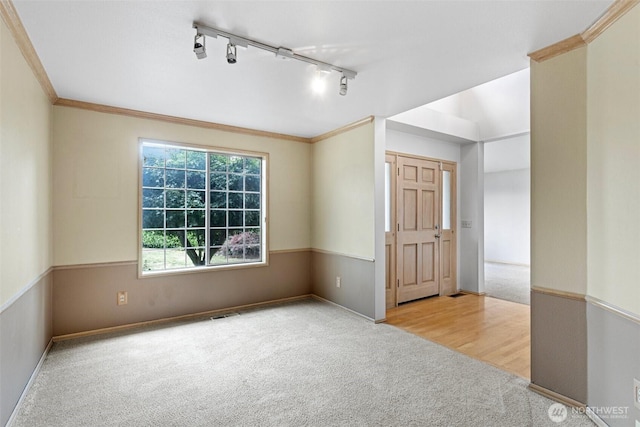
(199,48)
(343,85)
(231,53)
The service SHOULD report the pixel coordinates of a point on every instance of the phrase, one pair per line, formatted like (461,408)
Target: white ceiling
(137,54)
(500,107)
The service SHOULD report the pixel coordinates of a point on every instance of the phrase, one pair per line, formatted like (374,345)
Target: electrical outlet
(123,297)
(636,393)
(338,282)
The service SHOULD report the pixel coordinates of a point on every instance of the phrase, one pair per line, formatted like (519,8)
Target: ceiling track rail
(280,52)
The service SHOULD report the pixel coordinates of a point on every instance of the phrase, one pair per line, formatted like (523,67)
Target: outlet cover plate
(636,393)
(123,298)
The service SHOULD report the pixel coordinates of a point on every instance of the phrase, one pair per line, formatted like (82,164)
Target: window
(201,208)
(387,197)
(446,200)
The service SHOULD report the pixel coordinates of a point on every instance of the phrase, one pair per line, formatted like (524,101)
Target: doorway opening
(507,195)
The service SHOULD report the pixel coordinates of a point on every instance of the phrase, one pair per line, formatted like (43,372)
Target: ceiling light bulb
(319,84)
(199,48)
(231,53)
(343,85)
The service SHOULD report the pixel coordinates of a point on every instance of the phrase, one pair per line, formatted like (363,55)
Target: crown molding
(343,129)
(611,15)
(100,108)
(556,49)
(12,20)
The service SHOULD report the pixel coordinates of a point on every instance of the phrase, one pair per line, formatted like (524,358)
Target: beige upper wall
(25,172)
(343,193)
(95,162)
(558,173)
(614,164)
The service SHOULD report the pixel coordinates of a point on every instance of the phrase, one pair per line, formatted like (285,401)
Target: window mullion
(164,208)
(207,210)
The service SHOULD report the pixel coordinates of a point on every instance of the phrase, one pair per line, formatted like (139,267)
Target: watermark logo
(604,412)
(557,412)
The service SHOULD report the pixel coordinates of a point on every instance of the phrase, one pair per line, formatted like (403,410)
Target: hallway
(508,282)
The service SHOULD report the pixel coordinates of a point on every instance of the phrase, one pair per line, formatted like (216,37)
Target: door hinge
(398,227)
(398,171)
(398,282)
(440,163)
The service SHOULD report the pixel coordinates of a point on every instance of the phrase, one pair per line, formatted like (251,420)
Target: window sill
(204,269)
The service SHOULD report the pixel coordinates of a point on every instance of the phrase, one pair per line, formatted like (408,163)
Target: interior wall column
(472,218)
(559,224)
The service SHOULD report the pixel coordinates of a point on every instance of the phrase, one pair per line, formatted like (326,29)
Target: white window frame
(264,259)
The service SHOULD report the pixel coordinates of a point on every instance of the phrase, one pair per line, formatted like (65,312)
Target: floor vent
(223,316)
(459,294)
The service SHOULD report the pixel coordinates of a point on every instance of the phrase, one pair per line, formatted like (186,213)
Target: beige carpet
(508,282)
(306,363)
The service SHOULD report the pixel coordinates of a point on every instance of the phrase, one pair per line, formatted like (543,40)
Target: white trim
(94,265)
(32,379)
(314,296)
(134,262)
(517,264)
(361,258)
(595,418)
(613,309)
(288,251)
(24,290)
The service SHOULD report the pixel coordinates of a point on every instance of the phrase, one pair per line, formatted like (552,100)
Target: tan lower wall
(84,298)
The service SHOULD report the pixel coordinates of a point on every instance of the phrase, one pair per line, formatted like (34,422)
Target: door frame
(391,290)
(446,165)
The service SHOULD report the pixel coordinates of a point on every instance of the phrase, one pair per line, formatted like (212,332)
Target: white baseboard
(595,418)
(490,261)
(314,296)
(32,379)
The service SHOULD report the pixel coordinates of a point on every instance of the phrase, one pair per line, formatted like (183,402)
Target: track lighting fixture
(231,53)
(280,52)
(343,85)
(199,48)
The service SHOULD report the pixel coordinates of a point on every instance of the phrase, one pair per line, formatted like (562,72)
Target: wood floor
(489,329)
